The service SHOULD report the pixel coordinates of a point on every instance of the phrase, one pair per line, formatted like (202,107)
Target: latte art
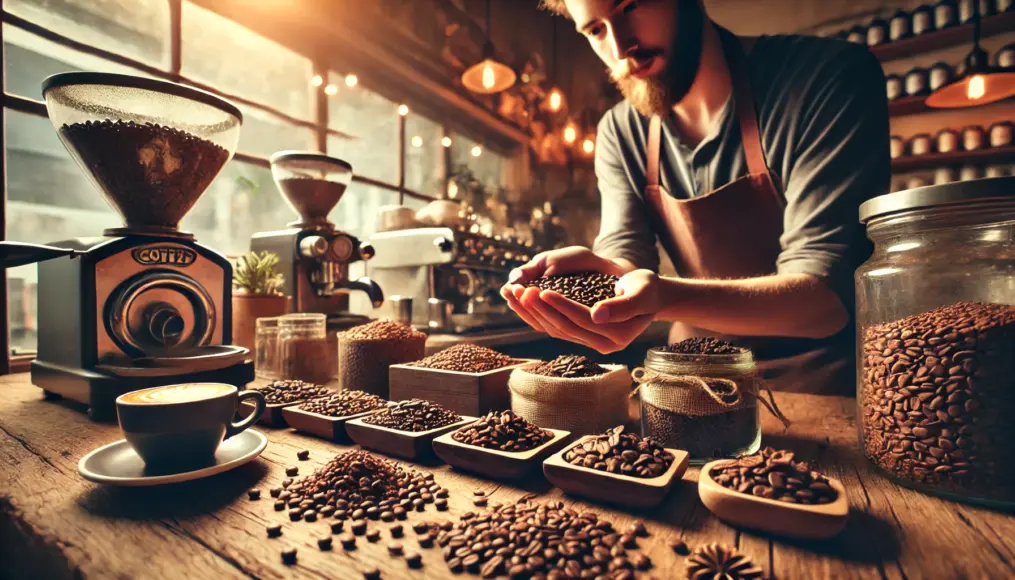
(177,394)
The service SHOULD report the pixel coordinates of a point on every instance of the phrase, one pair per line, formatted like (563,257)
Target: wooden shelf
(907,106)
(935,160)
(962,34)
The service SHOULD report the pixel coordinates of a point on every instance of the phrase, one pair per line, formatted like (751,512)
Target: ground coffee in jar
(702,396)
(365,352)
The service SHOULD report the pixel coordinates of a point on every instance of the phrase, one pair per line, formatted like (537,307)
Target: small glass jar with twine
(705,404)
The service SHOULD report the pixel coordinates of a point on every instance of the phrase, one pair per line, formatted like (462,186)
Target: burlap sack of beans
(583,406)
(363,364)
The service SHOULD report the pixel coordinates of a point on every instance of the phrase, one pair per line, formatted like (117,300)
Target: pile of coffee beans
(154,173)
(775,475)
(383,330)
(719,561)
(503,431)
(361,486)
(466,358)
(414,415)
(938,397)
(569,367)
(583,287)
(343,404)
(704,345)
(537,540)
(621,453)
(291,391)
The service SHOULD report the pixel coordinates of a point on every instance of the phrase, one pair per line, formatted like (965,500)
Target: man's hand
(638,294)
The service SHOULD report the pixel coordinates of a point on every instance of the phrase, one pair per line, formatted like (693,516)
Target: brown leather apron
(733,232)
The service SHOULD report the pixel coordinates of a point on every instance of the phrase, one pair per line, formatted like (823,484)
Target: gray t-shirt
(823,116)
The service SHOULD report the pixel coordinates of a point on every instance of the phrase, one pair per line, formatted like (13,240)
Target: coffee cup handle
(259,404)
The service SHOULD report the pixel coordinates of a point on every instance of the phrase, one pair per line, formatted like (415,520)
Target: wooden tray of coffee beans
(281,394)
(467,379)
(772,492)
(617,467)
(405,429)
(499,445)
(326,416)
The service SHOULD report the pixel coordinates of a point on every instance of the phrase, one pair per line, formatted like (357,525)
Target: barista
(746,159)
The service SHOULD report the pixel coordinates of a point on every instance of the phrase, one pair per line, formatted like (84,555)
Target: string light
(417,141)
(477,151)
(403,110)
(570,134)
(588,146)
(351,80)
(556,100)
(331,90)
(317,80)
(977,87)
(446,141)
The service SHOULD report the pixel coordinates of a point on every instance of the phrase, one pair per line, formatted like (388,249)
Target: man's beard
(656,95)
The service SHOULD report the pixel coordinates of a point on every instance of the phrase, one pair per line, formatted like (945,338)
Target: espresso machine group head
(313,255)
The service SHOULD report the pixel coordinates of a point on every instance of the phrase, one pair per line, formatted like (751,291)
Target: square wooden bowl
(404,444)
(473,394)
(493,463)
(785,519)
(330,428)
(613,488)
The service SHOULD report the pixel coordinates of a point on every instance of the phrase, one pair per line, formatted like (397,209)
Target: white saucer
(118,464)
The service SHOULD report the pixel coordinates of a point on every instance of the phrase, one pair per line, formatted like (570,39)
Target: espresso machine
(142,305)
(454,276)
(313,255)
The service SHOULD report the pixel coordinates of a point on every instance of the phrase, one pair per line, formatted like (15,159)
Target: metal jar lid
(1000,188)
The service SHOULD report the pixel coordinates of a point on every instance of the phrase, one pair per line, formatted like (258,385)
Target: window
(486,166)
(371,123)
(356,212)
(424,155)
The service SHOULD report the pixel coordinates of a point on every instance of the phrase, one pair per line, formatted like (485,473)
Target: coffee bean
(372,574)
(395,549)
(479,501)
(287,482)
(387,516)
(296,515)
(275,492)
(396,531)
(289,556)
(279,506)
(274,531)
(359,527)
(348,541)
(466,358)
(680,547)
(425,541)
(441,505)
(324,543)
(291,471)
(373,535)
(303,455)
(254,494)
(414,560)
(336,527)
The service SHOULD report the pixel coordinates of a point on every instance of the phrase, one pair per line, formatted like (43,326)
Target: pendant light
(555,98)
(980,83)
(488,76)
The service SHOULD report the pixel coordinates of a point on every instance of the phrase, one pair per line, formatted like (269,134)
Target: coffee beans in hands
(586,288)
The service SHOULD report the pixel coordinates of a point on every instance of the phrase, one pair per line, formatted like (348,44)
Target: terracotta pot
(247,308)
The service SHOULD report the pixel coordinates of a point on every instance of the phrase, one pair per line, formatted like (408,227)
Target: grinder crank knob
(165,324)
(313,247)
(367,251)
(443,244)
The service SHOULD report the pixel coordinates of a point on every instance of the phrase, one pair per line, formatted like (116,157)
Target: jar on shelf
(266,362)
(1005,57)
(706,404)
(936,329)
(946,14)
(940,75)
(896,147)
(923,20)
(973,138)
(893,87)
(900,26)
(1004,5)
(970,173)
(966,8)
(916,181)
(303,348)
(943,175)
(947,140)
(857,34)
(1001,134)
(877,32)
(921,144)
(995,170)
(916,82)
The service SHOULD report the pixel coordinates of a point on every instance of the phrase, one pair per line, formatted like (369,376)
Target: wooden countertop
(54,524)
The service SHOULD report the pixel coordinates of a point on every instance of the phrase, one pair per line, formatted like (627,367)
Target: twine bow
(725,392)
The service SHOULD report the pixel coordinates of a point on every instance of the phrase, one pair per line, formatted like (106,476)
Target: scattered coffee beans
(397,531)
(775,475)
(704,345)
(373,536)
(721,561)
(343,404)
(336,527)
(275,491)
(372,574)
(289,556)
(303,455)
(414,415)
(292,471)
(348,541)
(584,287)
(358,527)
(279,505)
(395,549)
(569,367)
(274,531)
(466,358)
(938,396)
(680,547)
(254,494)
(503,431)
(281,392)
(324,543)
(621,453)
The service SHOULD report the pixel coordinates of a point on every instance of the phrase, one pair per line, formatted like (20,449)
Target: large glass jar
(303,348)
(936,339)
(705,404)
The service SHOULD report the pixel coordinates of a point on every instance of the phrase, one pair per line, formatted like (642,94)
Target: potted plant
(256,294)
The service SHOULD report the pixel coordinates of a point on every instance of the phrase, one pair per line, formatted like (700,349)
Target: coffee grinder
(143,305)
(313,255)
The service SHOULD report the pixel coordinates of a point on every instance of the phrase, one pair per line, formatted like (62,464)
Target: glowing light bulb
(588,146)
(556,100)
(977,87)
(403,110)
(351,80)
(488,76)
(452,189)
(446,141)
(317,80)
(477,151)
(570,134)
(331,90)
(417,141)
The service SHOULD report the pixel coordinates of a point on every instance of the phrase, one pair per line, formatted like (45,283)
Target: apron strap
(743,100)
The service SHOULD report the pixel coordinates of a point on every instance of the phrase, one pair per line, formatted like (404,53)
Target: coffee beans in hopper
(584,287)
(291,391)
(775,475)
(343,404)
(938,397)
(569,367)
(414,415)
(621,453)
(503,431)
(466,358)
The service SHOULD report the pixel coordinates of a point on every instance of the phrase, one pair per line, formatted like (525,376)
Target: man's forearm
(781,305)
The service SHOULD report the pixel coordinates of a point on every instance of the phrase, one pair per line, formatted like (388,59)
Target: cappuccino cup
(185,423)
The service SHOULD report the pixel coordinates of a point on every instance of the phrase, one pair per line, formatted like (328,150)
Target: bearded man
(746,159)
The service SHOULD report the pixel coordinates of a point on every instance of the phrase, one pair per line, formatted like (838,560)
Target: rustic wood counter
(54,524)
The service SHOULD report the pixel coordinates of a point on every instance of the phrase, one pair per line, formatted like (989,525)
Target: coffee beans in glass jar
(291,391)
(414,415)
(365,352)
(704,345)
(503,431)
(621,452)
(465,358)
(937,398)
(343,404)
(773,474)
(584,287)
(569,367)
